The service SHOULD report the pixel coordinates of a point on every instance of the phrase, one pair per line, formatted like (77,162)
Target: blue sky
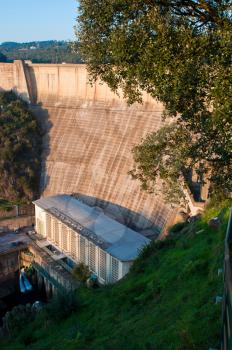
(29,20)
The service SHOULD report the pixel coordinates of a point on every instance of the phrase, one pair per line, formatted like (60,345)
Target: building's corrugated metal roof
(121,241)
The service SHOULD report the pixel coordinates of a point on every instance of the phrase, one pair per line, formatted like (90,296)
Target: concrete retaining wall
(17,222)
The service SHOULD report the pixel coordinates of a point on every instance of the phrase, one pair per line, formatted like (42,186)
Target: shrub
(62,305)
(150,250)
(154,246)
(20,150)
(16,319)
(81,272)
(177,227)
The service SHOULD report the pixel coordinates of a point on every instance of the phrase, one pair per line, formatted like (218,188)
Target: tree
(51,51)
(20,148)
(179,52)
(81,272)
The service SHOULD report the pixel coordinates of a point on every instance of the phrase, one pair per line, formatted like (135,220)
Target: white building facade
(87,235)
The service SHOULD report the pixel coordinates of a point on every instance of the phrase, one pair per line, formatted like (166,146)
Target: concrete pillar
(48,289)
(40,280)
(54,291)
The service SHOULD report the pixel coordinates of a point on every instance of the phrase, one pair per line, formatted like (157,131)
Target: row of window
(82,250)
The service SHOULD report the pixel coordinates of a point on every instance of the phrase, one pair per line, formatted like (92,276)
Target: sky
(36,20)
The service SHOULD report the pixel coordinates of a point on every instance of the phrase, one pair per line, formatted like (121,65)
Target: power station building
(87,235)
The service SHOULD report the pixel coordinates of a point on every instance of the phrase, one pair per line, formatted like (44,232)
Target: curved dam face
(89,134)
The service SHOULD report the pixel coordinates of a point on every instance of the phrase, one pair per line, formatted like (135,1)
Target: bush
(20,150)
(16,319)
(62,305)
(154,246)
(81,272)
(150,250)
(177,227)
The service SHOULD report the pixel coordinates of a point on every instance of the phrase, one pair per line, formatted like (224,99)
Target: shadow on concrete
(31,84)
(42,117)
(125,216)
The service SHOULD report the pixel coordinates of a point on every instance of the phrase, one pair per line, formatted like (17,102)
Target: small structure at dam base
(85,234)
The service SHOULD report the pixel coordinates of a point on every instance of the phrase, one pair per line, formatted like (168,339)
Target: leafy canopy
(20,147)
(180,53)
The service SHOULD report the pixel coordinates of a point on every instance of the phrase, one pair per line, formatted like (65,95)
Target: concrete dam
(89,134)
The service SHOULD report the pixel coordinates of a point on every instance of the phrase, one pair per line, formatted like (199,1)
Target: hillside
(20,140)
(167,302)
(50,51)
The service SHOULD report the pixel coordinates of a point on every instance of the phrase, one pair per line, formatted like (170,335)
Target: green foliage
(16,319)
(81,272)
(180,53)
(163,156)
(177,227)
(5,205)
(154,246)
(61,306)
(50,51)
(164,303)
(20,149)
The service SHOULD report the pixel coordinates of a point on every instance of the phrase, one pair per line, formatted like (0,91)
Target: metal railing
(227,297)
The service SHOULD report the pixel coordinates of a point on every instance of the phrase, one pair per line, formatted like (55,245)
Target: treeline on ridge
(50,51)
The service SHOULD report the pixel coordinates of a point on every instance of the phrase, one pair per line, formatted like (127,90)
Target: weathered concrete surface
(90,132)
(13,77)
(17,222)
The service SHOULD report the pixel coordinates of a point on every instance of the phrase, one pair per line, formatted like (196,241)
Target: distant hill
(10,43)
(49,51)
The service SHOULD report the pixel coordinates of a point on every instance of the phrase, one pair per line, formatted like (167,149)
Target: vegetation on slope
(50,51)
(166,302)
(20,147)
(5,205)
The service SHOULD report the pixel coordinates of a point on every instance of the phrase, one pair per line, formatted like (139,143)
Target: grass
(166,302)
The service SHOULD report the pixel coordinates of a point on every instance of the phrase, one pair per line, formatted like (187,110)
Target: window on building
(64,237)
(82,249)
(92,257)
(73,241)
(102,264)
(114,269)
(56,231)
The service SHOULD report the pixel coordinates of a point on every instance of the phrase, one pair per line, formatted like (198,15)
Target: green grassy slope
(167,302)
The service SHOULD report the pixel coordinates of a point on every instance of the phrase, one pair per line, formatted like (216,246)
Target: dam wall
(89,134)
